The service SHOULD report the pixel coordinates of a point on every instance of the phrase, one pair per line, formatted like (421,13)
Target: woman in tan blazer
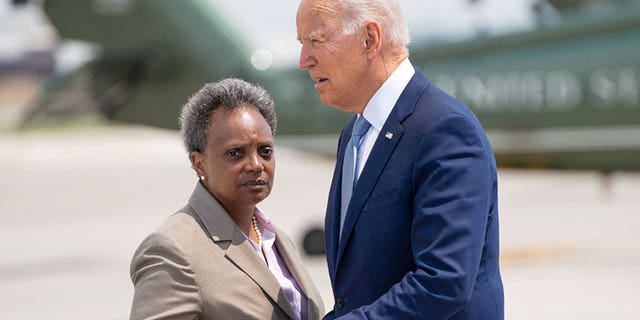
(220,257)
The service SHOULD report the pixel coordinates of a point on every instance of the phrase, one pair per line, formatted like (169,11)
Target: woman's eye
(266,151)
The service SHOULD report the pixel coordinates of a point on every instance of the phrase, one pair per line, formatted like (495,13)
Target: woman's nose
(254,163)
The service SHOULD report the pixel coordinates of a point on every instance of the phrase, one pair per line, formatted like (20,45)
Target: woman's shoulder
(178,230)
(182,221)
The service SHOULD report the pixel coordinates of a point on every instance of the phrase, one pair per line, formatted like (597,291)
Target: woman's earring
(202,178)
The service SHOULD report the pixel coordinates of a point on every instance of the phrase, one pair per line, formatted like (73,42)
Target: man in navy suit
(412,219)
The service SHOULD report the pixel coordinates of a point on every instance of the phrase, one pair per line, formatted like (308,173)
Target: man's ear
(373,37)
(197,162)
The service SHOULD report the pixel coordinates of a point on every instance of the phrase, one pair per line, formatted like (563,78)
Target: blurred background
(91,161)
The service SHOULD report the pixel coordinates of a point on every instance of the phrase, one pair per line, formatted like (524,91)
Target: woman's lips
(255,184)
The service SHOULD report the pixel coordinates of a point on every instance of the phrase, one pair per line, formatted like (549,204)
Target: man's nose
(306,60)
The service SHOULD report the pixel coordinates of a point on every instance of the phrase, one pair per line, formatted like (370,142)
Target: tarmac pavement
(75,203)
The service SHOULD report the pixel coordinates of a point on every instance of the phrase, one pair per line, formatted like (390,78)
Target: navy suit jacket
(420,240)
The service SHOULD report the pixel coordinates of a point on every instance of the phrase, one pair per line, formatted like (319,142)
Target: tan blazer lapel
(226,234)
(287,250)
(242,254)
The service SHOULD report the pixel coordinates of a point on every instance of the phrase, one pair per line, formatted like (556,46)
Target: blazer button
(339,303)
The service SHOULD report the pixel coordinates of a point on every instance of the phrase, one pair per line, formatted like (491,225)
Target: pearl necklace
(254,223)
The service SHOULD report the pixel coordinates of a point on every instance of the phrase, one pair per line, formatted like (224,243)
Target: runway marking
(535,253)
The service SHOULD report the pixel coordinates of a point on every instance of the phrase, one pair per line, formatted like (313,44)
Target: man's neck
(379,70)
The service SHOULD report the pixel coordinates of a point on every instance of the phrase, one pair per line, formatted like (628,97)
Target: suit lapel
(224,232)
(332,218)
(385,144)
(382,150)
(242,254)
(287,251)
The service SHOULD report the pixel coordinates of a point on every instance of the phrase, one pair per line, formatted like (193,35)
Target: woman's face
(238,161)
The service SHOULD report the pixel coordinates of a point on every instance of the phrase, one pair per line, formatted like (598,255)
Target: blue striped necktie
(349,166)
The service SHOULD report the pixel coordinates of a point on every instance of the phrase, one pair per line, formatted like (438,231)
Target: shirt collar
(266,228)
(383,101)
(264,220)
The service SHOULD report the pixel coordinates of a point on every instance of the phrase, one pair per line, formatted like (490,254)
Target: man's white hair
(386,12)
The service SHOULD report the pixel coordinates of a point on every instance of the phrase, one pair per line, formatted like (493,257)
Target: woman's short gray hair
(228,93)
(386,12)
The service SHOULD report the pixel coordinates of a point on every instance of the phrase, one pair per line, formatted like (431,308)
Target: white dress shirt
(379,107)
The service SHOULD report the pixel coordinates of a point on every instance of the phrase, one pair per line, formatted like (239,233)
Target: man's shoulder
(434,103)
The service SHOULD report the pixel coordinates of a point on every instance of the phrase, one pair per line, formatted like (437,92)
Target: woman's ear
(197,163)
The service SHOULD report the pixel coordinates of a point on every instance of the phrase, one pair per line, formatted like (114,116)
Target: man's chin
(327,101)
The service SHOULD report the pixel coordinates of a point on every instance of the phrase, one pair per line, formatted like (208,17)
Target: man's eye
(315,42)
(233,153)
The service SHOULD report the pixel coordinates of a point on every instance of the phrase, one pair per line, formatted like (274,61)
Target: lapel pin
(388,135)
